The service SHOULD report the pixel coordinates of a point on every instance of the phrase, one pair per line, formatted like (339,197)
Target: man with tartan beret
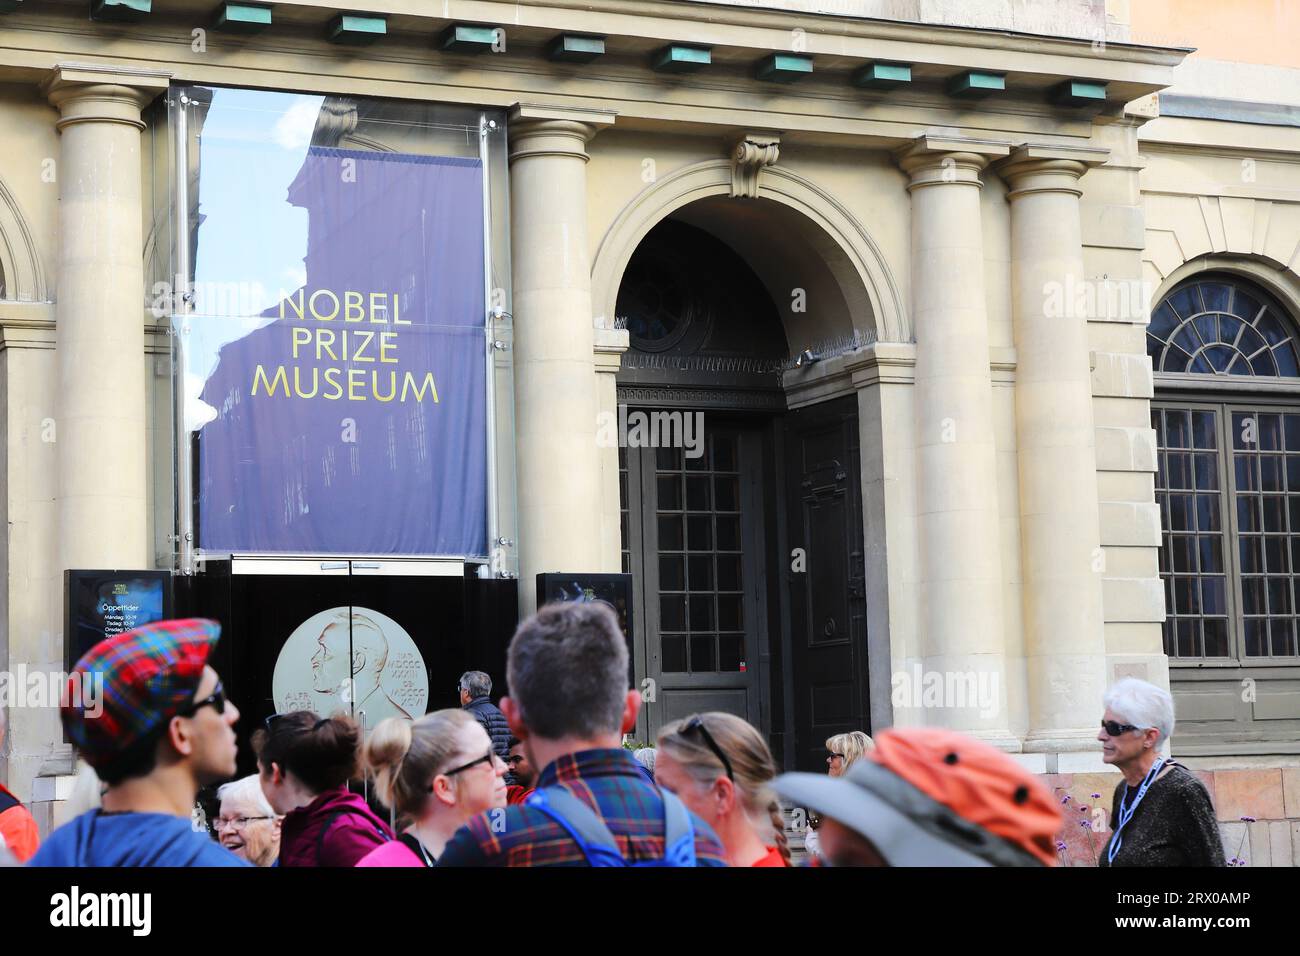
(163,730)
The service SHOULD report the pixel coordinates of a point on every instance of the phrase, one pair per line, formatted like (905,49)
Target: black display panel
(612,589)
(100,604)
(373,646)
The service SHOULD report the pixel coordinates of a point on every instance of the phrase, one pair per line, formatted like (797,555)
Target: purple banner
(354,422)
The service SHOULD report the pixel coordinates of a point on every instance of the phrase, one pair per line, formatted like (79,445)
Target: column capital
(102,93)
(933,160)
(1033,168)
(553,131)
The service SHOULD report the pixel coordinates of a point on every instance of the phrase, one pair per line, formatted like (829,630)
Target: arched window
(1221,326)
(1228,473)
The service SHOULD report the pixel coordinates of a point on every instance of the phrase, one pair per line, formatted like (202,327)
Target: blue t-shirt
(131,839)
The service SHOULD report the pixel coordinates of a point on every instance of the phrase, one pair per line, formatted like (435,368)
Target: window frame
(1225,395)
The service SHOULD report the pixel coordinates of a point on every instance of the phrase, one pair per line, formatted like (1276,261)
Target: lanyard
(1126,812)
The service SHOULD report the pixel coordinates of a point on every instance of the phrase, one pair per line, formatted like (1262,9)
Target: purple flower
(1096,796)
(1085,824)
(1060,846)
(1248,819)
(1083,809)
(1065,799)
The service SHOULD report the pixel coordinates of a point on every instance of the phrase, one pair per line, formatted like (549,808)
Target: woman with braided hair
(720,766)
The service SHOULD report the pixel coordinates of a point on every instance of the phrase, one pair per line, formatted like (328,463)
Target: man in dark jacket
(475,691)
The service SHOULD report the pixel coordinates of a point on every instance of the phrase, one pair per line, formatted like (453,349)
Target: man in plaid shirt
(570,705)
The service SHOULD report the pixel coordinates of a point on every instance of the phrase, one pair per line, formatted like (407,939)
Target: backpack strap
(577,819)
(596,841)
(679,832)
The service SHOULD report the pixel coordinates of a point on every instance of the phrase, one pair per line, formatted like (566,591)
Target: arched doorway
(745,543)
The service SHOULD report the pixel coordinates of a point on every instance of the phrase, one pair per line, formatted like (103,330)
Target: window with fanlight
(1228,472)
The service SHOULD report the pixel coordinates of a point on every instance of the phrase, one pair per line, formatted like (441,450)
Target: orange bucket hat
(927,796)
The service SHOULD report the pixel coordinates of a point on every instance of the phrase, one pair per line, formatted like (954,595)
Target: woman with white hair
(247,826)
(1161,814)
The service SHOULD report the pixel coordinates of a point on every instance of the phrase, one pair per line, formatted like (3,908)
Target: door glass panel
(701,579)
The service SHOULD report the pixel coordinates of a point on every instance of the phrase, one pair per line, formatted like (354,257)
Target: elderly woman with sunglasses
(1161,814)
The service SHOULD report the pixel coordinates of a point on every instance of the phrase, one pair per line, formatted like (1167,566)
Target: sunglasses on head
(696,724)
(217,699)
(1114,728)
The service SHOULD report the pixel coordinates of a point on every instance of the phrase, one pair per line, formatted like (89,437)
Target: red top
(771,858)
(517,794)
(17,828)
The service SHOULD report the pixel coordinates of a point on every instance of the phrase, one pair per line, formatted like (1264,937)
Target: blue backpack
(596,842)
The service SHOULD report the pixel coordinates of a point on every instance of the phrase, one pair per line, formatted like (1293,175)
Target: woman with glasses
(246,825)
(721,767)
(842,752)
(437,773)
(306,763)
(1161,814)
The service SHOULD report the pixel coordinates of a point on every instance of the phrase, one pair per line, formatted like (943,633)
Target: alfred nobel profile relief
(351,660)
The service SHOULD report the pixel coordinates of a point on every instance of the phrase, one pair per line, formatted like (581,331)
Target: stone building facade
(901,256)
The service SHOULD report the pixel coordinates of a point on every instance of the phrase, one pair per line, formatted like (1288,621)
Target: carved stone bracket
(752,153)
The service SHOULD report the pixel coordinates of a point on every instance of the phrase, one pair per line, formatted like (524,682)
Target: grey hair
(476,683)
(567,669)
(646,757)
(1143,705)
(247,788)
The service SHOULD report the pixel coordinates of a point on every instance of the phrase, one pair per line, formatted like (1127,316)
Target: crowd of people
(543,779)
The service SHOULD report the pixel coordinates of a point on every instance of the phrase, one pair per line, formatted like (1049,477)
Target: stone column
(559,462)
(962,638)
(610,346)
(1061,552)
(103,516)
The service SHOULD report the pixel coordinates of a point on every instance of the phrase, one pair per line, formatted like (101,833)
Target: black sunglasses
(473,763)
(217,699)
(1114,728)
(697,723)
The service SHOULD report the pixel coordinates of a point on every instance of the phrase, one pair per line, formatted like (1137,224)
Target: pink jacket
(395,853)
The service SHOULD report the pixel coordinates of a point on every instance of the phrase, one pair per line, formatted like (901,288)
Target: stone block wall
(1258,812)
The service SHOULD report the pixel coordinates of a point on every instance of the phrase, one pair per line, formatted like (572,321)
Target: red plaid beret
(132,683)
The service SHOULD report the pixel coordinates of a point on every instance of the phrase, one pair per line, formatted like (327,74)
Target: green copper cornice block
(127,10)
(576,48)
(243,17)
(883,76)
(467,38)
(1079,93)
(974,83)
(356,29)
(681,59)
(784,67)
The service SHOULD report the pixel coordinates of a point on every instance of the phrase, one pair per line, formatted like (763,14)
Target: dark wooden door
(826,578)
(693,536)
